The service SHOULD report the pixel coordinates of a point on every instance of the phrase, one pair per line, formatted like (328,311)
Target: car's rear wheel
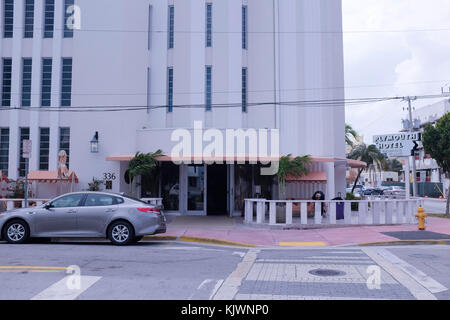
(16,232)
(121,233)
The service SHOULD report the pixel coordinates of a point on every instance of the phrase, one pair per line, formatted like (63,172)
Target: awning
(320,176)
(50,177)
(192,159)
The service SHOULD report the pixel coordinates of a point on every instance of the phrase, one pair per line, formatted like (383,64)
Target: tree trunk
(356,180)
(447,210)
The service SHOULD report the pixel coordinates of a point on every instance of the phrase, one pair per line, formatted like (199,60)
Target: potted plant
(95,184)
(142,164)
(289,166)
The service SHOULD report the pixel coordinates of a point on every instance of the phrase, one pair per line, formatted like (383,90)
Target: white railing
(10,203)
(31,202)
(309,212)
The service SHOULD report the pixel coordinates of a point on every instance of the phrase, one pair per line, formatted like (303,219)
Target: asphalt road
(183,271)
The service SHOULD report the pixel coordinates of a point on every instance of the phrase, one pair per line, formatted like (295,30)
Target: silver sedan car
(122,219)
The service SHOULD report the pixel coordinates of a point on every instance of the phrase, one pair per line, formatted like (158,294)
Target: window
(8,19)
(26,82)
(44,148)
(4,150)
(149,39)
(208,89)
(244,89)
(66,88)
(24,135)
(46,90)
(170,90)
(29,19)
(171,33)
(70,201)
(209,24)
(100,200)
(6,86)
(49,18)
(244,27)
(68,31)
(64,143)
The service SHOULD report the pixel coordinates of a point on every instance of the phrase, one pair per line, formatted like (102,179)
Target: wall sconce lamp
(94,143)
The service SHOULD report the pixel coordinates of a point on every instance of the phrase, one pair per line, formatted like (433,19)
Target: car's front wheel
(16,232)
(121,233)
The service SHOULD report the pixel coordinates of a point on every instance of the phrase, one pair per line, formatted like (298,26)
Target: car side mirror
(48,206)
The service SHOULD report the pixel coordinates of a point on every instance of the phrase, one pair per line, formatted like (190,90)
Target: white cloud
(393,63)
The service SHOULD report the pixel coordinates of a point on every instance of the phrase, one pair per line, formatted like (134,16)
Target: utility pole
(411,129)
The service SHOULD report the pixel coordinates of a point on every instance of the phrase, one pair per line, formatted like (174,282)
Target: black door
(217,189)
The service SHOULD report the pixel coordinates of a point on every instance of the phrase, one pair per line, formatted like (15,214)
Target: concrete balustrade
(370,212)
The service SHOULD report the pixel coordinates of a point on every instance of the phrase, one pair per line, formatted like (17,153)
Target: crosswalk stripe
(62,291)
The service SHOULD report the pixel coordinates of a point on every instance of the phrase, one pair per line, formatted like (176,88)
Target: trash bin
(339,208)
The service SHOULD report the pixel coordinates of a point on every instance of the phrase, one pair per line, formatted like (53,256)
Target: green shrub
(351,196)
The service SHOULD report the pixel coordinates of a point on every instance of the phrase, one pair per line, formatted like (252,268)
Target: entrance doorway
(217,195)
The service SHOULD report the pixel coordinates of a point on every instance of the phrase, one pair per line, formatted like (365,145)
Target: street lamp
(94,143)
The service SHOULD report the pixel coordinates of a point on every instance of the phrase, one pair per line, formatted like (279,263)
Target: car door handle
(32,212)
(111,210)
(72,211)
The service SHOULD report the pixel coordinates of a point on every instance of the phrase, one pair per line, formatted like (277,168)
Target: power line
(249,91)
(330,103)
(444,29)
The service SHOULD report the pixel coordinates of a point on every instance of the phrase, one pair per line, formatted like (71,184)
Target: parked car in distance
(373,192)
(395,191)
(121,219)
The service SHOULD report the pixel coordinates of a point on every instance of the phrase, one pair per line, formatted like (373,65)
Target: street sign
(397,144)
(26,149)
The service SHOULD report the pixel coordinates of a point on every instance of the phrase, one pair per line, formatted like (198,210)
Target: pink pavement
(329,236)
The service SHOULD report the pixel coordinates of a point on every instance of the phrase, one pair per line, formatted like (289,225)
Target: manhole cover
(423,256)
(327,273)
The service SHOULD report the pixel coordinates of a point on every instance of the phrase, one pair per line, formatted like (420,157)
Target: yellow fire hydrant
(421,215)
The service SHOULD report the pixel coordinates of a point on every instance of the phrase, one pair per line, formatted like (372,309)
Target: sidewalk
(221,230)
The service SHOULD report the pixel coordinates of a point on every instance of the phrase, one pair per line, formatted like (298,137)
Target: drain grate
(327,273)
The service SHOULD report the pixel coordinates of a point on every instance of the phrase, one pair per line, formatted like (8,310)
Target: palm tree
(370,155)
(350,134)
(142,164)
(290,167)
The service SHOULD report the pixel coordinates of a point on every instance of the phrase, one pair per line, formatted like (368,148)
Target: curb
(161,238)
(216,241)
(405,243)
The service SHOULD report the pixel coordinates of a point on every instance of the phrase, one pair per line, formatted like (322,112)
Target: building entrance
(217,193)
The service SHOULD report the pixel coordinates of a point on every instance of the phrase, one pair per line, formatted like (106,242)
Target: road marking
(33,267)
(61,291)
(318,262)
(27,271)
(241,254)
(302,244)
(289,297)
(429,283)
(337,258)
(231,285)
(417,290)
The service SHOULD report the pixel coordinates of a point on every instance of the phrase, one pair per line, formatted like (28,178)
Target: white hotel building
(227,63)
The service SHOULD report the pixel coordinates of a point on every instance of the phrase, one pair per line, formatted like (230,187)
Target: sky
(384,57)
